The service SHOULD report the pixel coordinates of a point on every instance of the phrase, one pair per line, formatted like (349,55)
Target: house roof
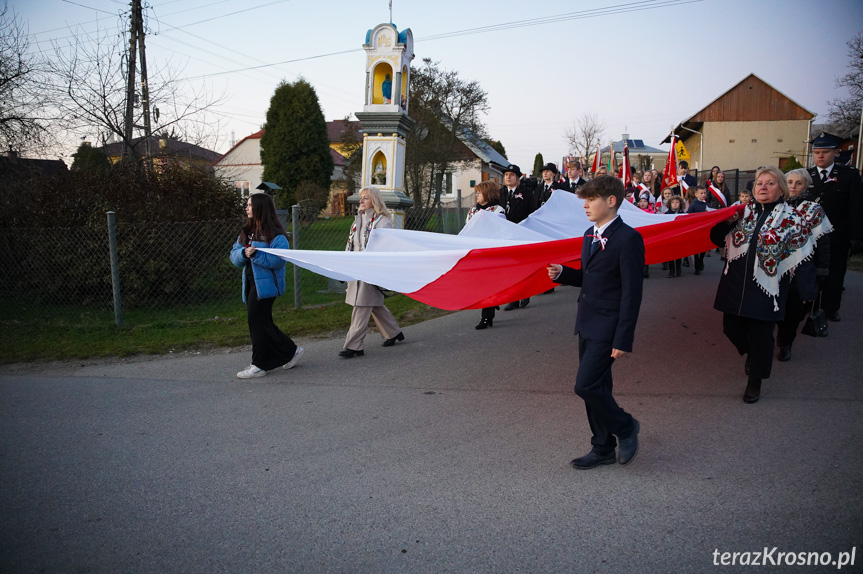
(479,147)
(173,147)
(257,135)
(635,147)
(338,159)
(336,128)
(19,166)
(750,99)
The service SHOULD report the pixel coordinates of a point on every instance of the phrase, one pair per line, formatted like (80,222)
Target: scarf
(478,207)
(367,230)
(785,239)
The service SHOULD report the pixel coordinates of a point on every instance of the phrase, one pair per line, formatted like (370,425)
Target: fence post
(440,221)
(460,221)
(737,182)
(115,269)
(295,235)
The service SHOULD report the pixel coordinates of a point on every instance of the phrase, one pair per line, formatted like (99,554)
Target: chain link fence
(169,265)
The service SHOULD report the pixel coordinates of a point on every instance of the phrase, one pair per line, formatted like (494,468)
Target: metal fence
(735,179)
(167,265)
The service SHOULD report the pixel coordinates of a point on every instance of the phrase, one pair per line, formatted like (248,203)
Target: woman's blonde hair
(778,175)
(378,204)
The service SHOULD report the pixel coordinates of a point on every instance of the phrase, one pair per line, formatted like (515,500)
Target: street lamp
(700,147)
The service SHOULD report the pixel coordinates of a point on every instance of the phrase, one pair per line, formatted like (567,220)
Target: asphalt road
(447,453)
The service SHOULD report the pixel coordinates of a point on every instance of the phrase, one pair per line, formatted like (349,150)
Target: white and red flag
(595,167)
(669,174)
(626,172)
(494,261)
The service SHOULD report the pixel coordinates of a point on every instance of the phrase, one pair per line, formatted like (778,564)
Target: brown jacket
(359,293)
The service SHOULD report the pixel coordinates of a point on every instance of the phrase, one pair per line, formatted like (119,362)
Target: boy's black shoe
(592,459)
(628,446)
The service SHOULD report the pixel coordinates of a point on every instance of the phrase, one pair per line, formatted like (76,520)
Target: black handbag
(816,322)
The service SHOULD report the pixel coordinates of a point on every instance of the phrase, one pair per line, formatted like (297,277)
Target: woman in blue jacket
(263,281)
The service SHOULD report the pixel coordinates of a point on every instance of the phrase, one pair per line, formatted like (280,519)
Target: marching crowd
(786,248)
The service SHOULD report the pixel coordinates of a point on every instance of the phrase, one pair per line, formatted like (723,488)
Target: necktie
(823,175)
(597,243)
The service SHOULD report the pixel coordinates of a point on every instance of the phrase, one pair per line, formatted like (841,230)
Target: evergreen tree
(295,147)
(537,165)
(792,163)
(88,158)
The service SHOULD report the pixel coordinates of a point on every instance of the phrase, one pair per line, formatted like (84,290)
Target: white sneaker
(299,353)
(251,372)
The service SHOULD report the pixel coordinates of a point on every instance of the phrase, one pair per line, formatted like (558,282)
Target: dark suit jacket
(542,195)
(574,185)
(523,202)
(611,284)
(842,201)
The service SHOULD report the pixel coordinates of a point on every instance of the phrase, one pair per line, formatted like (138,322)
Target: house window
(730,141)
(754,141)
(447,190)
(242,187)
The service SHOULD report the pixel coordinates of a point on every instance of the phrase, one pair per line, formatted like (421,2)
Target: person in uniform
(837,189)
(549,183)
(518,199)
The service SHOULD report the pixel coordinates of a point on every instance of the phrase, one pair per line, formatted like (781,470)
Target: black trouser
(795,311)
(754,337)
(594,385)
(699,261)
(836,278)
(675,267)
(270,347)
(488,313)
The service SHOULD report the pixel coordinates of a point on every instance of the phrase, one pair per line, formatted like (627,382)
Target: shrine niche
(384,119)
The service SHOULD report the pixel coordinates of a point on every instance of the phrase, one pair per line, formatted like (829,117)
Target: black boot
(785,353)
(753,391)
(487,319)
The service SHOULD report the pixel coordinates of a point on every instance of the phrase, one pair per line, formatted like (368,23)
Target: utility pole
(136,49)
(130,83)
(145,88)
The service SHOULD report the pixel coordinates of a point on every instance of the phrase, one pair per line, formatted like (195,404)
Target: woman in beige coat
(366,299)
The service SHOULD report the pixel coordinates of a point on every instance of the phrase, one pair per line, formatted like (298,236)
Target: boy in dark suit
(612,261)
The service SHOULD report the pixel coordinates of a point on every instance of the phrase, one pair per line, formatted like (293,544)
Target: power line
(592,13)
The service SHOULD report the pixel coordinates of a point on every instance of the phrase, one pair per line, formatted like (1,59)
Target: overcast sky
(641,66)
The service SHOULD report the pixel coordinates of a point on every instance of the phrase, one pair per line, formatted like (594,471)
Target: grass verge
(30,334)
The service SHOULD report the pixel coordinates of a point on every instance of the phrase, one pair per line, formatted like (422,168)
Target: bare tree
(445,107)
(845,113)
(23,121)
(586,132)
(90,87)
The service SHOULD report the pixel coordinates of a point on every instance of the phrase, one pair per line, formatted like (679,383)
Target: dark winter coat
(738,293)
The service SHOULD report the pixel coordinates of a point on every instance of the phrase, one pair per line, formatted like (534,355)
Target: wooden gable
(752,100)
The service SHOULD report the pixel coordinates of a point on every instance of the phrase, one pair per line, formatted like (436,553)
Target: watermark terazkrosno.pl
(775,557)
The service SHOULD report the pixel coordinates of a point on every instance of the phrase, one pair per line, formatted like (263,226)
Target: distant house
(750,125)
(14,168)
(641,155)
(242,163)
(476,161)
(163,149)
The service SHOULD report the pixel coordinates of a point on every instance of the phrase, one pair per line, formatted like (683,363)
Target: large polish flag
(494,261)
